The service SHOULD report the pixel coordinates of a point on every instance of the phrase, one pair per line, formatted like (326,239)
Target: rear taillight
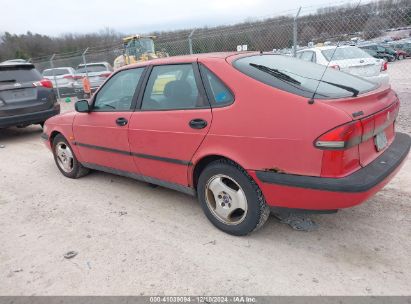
(335,66)
(45,83)
(384,66)
(105,75)
(68,77)
(342,137)
(78,77)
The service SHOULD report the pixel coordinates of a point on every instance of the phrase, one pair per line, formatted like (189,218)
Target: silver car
(64,77)
(97,73)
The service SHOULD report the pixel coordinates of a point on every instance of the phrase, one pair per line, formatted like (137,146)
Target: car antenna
(311,100)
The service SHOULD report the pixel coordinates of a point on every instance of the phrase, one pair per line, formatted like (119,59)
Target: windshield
(345,53)
(57,72)
(92,68)
(302,78)
(139,46)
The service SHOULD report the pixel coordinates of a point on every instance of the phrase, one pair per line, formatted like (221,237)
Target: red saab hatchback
(243,132)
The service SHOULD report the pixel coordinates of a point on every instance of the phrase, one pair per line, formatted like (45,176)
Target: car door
(173,119)
(102,134)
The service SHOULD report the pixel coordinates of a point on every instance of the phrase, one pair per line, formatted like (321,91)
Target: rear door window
(172,87)
(308,56)
(302,78)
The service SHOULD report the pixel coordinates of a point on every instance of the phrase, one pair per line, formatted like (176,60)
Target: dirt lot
(132,239)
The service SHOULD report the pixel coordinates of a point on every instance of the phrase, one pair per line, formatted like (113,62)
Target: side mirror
(82,106)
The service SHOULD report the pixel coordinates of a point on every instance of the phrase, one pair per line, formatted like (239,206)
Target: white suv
(349,59)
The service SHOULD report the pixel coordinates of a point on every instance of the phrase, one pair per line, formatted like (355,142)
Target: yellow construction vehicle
(137,48)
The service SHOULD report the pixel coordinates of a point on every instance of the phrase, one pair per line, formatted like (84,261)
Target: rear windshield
(57,72)
(92,68)
(19,74)
(344,53)
(301,77)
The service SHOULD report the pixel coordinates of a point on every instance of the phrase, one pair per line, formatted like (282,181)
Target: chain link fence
(383,29)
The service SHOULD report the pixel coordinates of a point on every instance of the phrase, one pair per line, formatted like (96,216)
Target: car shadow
(13,134)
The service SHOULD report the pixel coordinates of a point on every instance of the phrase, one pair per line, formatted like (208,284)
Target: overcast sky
(55,17)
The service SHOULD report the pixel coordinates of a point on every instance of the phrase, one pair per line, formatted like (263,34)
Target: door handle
(198,123)
(121,121)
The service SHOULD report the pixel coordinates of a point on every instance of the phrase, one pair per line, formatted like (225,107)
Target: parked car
(242,131)
(403,46)
(25,97)
(349,59)
(65,79)
(380,49)
(97,73)
(380,55)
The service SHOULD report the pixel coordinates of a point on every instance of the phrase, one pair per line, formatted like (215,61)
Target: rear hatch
(62,75)
(19,93)
(97,74)
(377,112)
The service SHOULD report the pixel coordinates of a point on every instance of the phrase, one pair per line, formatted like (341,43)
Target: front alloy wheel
(65,159)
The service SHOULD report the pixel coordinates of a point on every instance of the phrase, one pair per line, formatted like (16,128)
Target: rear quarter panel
(266,128)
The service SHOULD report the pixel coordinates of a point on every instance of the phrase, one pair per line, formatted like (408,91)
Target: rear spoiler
(15,65)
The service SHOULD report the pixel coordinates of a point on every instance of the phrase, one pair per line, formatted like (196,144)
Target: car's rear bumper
(29,118)
(318,193)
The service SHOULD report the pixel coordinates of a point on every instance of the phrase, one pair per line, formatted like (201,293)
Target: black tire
(78,170)
(257,210)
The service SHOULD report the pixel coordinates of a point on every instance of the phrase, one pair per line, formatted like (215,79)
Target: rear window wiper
(355,92)
(276,73)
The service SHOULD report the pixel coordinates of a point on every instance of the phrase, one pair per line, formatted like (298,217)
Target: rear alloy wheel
(65,159)
(231,200)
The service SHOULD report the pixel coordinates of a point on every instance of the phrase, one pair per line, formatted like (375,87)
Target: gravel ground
(132,239)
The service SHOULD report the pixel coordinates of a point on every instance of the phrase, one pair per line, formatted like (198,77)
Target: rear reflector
(45,83)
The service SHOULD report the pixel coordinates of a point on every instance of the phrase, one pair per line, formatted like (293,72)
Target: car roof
(187,58)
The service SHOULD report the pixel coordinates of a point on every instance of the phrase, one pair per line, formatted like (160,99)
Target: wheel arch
(203,162)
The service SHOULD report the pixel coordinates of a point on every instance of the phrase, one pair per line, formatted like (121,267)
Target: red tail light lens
(45,83)
(342,137)
(77,77)
(69,77)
